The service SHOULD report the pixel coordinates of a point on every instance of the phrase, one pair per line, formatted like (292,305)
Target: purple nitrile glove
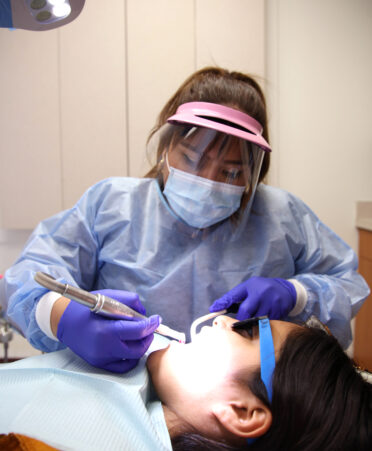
(112,344)
(259,296)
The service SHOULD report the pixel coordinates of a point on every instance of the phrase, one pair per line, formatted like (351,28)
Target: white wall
(78,102)
(319,73)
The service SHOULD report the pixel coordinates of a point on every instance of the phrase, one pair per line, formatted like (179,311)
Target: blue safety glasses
(267,353)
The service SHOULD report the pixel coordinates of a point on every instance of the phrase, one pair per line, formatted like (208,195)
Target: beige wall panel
(93,97)
(231,34)
(323,104)
(160,57)
(30,183)
(75,117)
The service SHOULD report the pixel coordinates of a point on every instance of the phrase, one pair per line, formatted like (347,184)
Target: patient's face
(186,374)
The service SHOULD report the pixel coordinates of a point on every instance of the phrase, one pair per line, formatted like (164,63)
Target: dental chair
(6,335)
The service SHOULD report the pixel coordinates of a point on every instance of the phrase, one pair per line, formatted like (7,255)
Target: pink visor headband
(237,123)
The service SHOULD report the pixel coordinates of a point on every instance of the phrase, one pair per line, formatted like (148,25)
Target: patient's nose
(222,322)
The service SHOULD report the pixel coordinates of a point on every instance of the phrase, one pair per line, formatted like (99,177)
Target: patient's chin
(155,357)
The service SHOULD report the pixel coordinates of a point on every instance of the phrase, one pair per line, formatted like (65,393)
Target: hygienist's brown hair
(217,85)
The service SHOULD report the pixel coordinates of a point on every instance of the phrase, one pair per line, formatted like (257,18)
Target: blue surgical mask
(201,202)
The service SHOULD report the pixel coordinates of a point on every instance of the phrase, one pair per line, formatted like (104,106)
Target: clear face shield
(212,155)
(208,169)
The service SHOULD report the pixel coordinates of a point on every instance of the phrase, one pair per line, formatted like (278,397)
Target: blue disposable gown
(121,235)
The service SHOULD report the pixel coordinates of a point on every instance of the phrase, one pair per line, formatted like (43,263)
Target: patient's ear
(247,417)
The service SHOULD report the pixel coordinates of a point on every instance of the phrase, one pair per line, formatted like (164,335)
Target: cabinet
(363,322)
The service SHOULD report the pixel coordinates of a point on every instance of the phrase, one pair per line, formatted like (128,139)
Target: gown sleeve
(327,267)
(64,246)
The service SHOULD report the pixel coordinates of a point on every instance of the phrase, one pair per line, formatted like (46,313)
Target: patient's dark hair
(320,401)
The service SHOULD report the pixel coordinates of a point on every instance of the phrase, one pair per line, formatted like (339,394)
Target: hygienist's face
(187,375)
(224,165)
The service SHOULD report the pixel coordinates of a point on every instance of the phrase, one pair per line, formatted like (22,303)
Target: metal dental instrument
(100,304)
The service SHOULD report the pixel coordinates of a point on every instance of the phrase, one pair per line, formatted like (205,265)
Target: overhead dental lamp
(38,15)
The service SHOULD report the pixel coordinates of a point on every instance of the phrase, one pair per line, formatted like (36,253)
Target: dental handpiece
(101,304)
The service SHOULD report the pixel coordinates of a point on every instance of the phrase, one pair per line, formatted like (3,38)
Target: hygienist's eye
(187,159)
(232,174)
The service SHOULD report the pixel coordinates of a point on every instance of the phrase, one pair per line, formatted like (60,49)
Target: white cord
(202,319)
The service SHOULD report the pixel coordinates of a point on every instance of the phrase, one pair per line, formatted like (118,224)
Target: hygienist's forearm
(301,298)
(57,311)
(334,300)
(43,313)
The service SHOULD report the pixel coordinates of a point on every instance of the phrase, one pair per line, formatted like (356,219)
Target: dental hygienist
(201,231)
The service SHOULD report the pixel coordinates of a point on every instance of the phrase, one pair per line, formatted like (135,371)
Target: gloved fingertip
(242,316)
(141,309)
(121,366)
(155,320)
(147,342)
(244,313)
(219,304)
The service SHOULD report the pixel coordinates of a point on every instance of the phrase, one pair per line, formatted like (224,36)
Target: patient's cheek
(198,367)
(155,358)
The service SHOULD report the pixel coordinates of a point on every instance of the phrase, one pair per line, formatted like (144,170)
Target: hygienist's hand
(259,296)
(111,344)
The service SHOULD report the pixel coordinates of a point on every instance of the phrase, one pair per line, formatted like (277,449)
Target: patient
(211,394)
